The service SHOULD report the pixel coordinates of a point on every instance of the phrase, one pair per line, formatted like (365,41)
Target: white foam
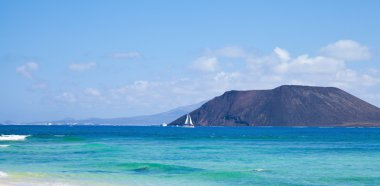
(259,170)
(3,146)
(3,174)
(13,137)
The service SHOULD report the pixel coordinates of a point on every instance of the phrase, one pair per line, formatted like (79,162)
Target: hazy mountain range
(154,119)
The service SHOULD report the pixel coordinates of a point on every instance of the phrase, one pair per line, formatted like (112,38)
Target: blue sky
(85,59)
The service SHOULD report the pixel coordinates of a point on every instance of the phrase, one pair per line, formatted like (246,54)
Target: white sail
(188,120)
(191,121)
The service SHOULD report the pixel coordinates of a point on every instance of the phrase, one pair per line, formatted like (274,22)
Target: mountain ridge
(286,105)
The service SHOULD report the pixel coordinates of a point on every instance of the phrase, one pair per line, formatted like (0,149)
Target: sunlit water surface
(111,155)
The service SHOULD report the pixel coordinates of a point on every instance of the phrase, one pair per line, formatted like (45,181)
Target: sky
(83,59)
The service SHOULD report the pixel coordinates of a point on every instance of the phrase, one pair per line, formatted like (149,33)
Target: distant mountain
(154,119)
(286,105)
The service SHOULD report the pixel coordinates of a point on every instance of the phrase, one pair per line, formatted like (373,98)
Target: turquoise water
(110,155)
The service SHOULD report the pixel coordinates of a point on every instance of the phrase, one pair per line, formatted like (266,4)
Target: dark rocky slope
(286,105)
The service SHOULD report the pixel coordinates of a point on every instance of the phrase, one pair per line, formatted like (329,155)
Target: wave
(3,146)
(259,170)
(3,174)
(157,168)
(13,137)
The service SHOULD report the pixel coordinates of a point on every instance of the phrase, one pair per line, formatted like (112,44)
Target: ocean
(124,155)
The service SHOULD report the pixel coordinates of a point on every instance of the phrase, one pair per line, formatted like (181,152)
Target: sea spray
(13,137)
(3,174)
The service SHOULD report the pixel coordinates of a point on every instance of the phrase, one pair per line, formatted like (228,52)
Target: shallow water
(110,155)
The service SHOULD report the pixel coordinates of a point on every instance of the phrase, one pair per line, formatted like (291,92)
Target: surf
(13,137)
(3,174)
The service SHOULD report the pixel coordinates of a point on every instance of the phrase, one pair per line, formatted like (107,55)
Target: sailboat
(188,123)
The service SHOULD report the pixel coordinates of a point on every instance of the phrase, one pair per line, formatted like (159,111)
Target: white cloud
(125,55)
(66,97)
(140,85)
(82,66)
(92,92)
(231,51)
(309,65)
(278,68)
(349,78)
(226,76)
(282,54)
(346,50)
(27,69)
(205,64)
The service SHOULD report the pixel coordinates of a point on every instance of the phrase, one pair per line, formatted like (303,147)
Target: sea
(126,155)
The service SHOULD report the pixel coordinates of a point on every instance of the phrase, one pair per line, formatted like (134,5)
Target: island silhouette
(287,105)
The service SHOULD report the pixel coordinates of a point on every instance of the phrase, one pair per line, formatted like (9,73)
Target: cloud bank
(348,50)
(330,67)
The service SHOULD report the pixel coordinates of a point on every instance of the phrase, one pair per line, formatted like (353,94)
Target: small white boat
(164,125)
(188,123)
